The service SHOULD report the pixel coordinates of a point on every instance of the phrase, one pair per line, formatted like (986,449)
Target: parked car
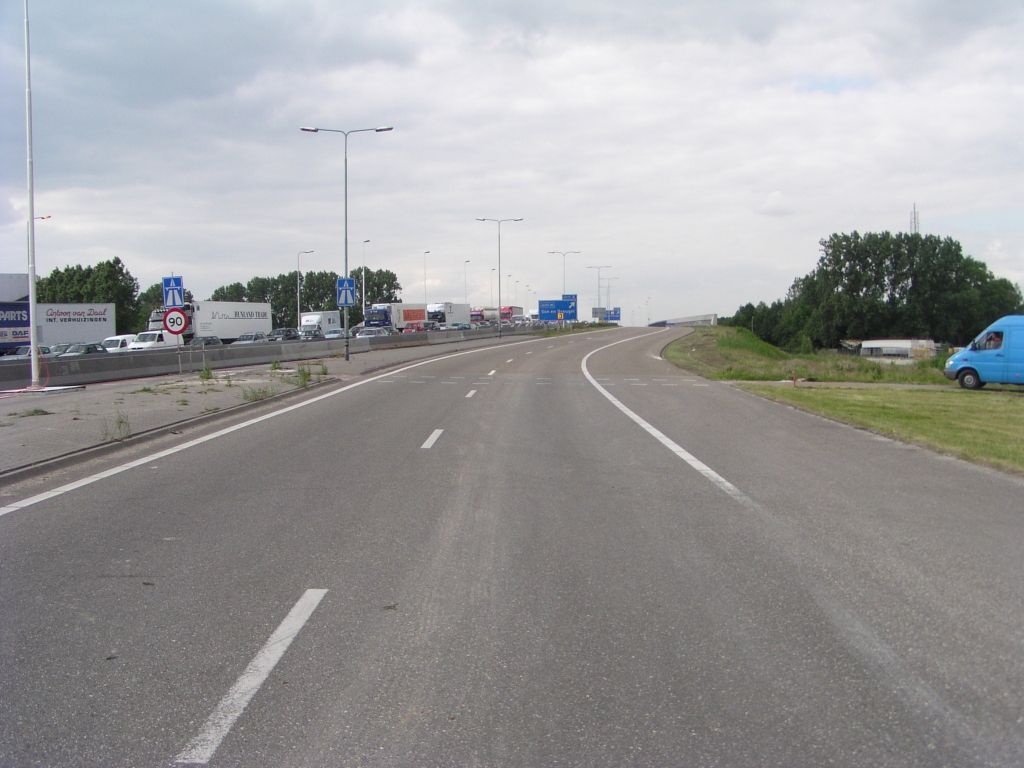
(59,349)
(24,353)
(254,337)
(76,350)
(414,327)
(335,333)
(118,343)
(206,341)
(311,334)
(283,334)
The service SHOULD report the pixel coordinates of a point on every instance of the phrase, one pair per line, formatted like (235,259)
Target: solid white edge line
(678,450)
(471,393)
(429,442)
(14,506)
(218,724)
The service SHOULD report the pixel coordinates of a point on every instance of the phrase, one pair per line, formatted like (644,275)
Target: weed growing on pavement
(121,430)
(323,368)
(302,374)
(32,412)
(275,365)
(183,401)
(255,394)
(211,409)
(206,374)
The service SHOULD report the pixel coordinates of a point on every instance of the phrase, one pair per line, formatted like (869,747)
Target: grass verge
(983,427)
(720,352)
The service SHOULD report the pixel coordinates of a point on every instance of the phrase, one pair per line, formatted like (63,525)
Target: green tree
(107,282)
(233,292)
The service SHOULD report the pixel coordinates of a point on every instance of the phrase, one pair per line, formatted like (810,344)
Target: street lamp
(603,266)
(382,129)
(298,291)
(499,223)
(515,299)
(425,276)
(492,286)
(507,297)
(465,281)
(363,291)
(562,254)
(33,334)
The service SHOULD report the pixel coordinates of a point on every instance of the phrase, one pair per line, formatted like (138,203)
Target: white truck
(225,319)
(397,315)
(448,313)
(319,322)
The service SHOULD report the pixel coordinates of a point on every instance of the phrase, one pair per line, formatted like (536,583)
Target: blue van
(995,357)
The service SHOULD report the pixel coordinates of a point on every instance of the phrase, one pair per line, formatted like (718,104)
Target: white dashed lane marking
(429,443)
(471,393)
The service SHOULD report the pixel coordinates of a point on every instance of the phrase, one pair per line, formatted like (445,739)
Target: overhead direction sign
(613,315)
(175,321)
(552,310)
(346,292)
(174,292)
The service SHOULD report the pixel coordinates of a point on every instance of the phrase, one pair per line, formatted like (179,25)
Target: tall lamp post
(465,281)
(499,222)
(425,276)
(492,286)
(363,291)
(33,333)
(562,254)
(603,266)
(298,290)
(382,129)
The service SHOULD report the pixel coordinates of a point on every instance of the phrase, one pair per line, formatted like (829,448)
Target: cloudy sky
(700,149)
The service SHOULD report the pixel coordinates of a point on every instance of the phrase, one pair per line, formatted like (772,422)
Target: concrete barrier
(90,369)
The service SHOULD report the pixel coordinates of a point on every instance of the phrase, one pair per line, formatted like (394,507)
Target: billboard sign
(14,327)
(73,323)
(613,315)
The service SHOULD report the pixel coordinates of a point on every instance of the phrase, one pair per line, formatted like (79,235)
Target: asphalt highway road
(556,552)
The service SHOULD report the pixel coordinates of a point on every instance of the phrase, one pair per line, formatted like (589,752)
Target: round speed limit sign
(175,321)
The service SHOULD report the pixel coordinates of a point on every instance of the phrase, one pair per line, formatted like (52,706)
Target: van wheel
(969,380)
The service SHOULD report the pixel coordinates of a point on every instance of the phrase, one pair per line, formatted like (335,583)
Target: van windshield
(152,336)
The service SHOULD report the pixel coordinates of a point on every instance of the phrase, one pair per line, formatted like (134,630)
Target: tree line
(111,282)
(884,285)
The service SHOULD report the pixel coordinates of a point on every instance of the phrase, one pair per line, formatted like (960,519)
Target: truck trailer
(320,322)
(448,313)
(225,319)
(396,315)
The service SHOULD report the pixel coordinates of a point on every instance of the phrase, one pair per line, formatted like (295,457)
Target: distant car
(364,333)
(251,338)
(206,341)
(23,353)
(335,333)
(283,334)
(152,340)
(416,327)
(76,350)
(118,343)
(460,327)
(59,349)
(312,334)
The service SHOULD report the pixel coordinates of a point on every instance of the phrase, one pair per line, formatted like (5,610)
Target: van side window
(991,340)
(161,337)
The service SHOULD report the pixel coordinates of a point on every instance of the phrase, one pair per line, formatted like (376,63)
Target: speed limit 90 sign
(175,321)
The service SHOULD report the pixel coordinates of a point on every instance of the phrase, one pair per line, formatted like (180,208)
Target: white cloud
(701,148)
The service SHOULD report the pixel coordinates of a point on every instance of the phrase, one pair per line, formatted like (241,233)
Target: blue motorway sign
(174,292)
(613,315)
(346,291)
(554,311)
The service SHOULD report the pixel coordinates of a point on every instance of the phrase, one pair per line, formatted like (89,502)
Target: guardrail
(91,369)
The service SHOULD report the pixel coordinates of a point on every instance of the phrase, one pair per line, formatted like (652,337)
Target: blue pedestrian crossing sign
(174,292)
(346,291)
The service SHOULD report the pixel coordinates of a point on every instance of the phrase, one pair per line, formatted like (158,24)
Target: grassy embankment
(735,354)
(985,427)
